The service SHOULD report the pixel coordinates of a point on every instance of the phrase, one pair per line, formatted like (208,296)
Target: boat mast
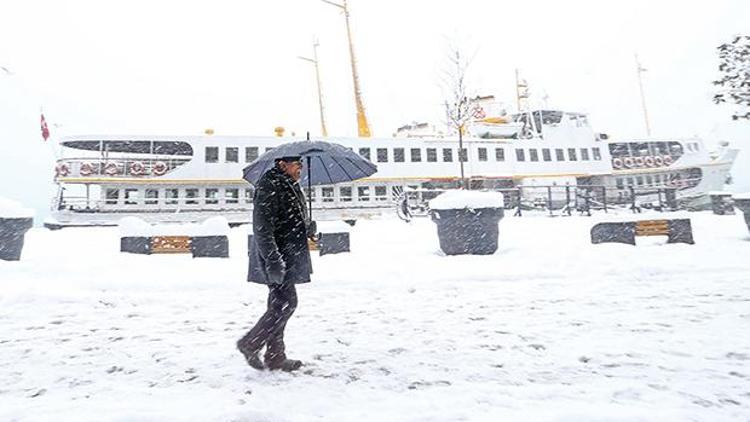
(522,92)
(640,69)
(363,127)
(314,61)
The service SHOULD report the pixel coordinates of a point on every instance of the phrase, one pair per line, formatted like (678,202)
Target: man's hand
(276,271)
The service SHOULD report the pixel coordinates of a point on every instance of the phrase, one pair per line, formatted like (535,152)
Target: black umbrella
(326,163)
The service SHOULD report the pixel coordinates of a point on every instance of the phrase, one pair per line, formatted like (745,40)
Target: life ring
(668,160)
(137,168)
(111,169)
(159,168)
(649,161)
(617,163)
(639,161)
(86,169)
(628,162)
(659,161)
(62,169)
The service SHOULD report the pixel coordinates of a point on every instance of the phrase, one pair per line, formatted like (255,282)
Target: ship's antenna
(640,69)
(314,61)
(363,127)
(522,92)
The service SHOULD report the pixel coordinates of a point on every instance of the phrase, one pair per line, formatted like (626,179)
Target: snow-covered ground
(550,328)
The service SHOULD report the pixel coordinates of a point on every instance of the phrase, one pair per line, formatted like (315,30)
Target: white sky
(178,67)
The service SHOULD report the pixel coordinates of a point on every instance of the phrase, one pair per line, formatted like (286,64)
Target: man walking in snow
(279,258)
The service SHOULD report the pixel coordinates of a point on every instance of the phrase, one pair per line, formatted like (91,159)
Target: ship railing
(117,167)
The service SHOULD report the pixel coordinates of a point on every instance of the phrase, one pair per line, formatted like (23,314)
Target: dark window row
(560,154)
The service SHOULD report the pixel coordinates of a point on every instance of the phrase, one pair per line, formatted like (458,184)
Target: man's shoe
(251,357)
(286,365)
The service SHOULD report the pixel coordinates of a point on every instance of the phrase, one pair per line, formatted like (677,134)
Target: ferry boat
(103,178)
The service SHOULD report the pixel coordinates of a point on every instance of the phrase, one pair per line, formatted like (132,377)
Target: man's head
(291,166)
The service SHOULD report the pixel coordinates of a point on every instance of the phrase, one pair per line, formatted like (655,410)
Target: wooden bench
(171,244)
(676,230)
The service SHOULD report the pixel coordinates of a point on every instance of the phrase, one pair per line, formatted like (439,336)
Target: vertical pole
(87,196)
(632,198)
(549,200)
(567,199)
(640,71)
(518,204)
(604,197)
(587,202)
(320,91)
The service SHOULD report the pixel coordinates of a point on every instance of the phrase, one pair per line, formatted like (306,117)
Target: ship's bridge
(555,125)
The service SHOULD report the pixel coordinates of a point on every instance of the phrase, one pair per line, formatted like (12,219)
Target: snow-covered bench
(208,239)
(333,237)
(677,230)
(15,221)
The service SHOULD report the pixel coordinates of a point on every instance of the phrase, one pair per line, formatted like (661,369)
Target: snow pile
(14,209)
(333,227)
(460,199)
(742,196)
(136,227)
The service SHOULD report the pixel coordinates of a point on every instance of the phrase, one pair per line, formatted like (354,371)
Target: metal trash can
(12,232)
(721,203)
(472,231)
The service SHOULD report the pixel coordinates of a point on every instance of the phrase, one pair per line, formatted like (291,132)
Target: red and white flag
(45,129)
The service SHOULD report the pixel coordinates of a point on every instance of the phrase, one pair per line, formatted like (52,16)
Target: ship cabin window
(136,147)
(327,193)
(416,155)
(131,196)
(533,154)
(640,180)
(431,155)
(620,183)
(232,155)
(382,155)
(482,154)
(546,154)
(447,155)
(364,153)
(660,148)
(171,196)
(675,148)
(363,193)
(649,180)
(639,149)
(381,193)
(584,154)
(463,155)
(499,154)
(251,154)
(212,154)
(520,155)
(398,155)
(111,196)
(191,196)
(619,150)
(572,154)
(345,193)
(152,196)
(268,148)
(232,196)
(172,148)
(212,196)
(597,153)
(631,182)
(559,154)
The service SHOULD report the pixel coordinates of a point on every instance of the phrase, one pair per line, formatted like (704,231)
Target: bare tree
(458,106)
(734,69)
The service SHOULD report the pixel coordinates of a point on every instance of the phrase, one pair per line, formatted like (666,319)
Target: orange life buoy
(137,168)
(639,161)
(617,163)
(159,168)
(62,169)
(86,169)
(628,162)
(668,160)
(659,161)
(111,169)
(649,161)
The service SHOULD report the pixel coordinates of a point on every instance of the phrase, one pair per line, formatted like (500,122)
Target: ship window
(363,192)
(382,155)
(597,153)
(499,154)
(431,155)
(191,195)
(661,148)
(675,148)
(212,196)
(398,155)
(84,145)
(327,194)
(131,196)
(584,154)
(152,196)
(365,153)
(416,155)
(172,148)
(559,154)
(640,149)
(381,193)
(630,181)
(533,154)
(649,180)
(546,155)
(447,155)
(232,196)
(572,154)
(657,179)
(232,155)
(171,196)
(345,193)
(111,196)
(463,155)
(482,154)
(640,180)
(212,154)
(249,195)
(137,147)
(520,155)
(251,154)
(620,184)
(617,150)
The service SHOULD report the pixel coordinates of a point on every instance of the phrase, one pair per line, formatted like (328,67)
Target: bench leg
(680,231)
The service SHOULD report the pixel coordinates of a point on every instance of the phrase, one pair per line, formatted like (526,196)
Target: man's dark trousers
(269,330)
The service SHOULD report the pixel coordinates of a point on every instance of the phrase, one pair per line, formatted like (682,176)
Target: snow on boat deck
(549,328)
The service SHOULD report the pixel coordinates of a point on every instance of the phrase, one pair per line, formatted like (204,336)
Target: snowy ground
(549,328)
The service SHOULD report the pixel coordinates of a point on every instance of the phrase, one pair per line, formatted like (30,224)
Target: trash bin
(467,221)
(721,203)
(742,201)
(12,233)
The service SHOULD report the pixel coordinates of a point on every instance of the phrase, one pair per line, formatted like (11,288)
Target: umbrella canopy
(325,163)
